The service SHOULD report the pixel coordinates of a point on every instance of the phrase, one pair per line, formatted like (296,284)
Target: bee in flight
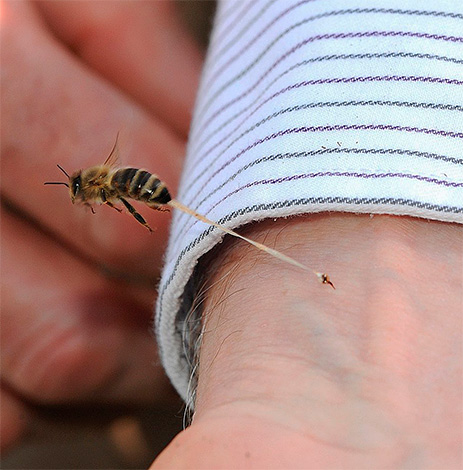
(109,185)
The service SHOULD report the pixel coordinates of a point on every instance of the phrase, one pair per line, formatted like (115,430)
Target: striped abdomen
(140,185)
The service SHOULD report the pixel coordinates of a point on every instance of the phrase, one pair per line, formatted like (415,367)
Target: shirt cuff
(309,106)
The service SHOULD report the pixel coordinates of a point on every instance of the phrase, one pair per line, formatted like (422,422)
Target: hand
(295,375)
(78,288)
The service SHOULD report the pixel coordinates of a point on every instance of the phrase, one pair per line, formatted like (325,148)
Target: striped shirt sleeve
(317,105)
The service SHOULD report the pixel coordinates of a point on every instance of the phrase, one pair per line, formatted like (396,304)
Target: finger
(14,418)
(56,111)
(140,46)
(67,334)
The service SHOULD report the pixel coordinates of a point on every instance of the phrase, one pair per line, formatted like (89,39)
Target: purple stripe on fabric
(349,11)
(311,129)
(357,174)
(314,153)
(343,127)
(258,104)
(335,36)
(222,45)
(348,174)
(234,21)
(202,156)
(219,71)
(338,80)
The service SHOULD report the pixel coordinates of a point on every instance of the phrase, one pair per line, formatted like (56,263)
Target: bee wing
(114,157)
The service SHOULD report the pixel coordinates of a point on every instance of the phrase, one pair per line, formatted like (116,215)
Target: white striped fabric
(317,105)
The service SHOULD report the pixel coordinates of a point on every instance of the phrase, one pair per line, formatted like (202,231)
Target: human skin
(78,289)
(76,341)
(294,374)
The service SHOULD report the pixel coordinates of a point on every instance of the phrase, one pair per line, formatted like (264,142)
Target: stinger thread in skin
(322,277)
(109,185)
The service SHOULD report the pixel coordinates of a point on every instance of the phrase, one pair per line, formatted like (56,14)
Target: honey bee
(106,184)
(109,185)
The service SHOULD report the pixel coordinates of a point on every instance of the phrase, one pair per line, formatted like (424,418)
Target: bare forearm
(367,375)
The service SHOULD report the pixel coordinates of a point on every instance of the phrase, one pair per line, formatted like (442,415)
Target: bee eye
(76,185)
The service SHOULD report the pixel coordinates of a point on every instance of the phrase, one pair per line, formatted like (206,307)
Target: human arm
(292,374)
(313,108)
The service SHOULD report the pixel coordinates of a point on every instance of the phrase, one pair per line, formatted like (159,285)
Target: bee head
(75,186)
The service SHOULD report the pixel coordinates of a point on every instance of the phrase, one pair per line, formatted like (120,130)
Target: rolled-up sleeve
(316,105)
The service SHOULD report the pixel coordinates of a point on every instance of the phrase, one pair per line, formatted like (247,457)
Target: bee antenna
(63,170)
(57,182)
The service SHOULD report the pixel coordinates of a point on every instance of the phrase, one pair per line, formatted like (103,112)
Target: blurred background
(98,437)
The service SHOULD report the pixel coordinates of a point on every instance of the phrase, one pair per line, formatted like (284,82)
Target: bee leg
(113,206)
(160,207)
(137,216)
(91,207)
(105,201)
